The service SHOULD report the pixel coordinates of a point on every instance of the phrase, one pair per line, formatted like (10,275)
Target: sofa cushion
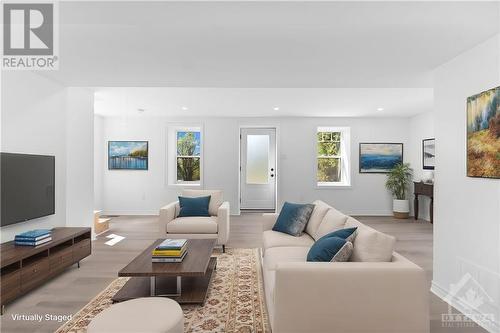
(349,234)
(370,244)
(194,206)
(278,255)
(272,239)
(193,225)
(333,221)
(215,198)
(293,218)
(317,215)
(328,249)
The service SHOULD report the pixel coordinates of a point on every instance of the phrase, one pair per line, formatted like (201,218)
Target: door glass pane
(257,168)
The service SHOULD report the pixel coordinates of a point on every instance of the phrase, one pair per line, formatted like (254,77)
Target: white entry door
(258,168)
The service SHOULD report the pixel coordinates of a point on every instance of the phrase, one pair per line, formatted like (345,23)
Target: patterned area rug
(235,301)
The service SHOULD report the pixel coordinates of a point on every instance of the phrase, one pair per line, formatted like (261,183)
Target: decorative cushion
(194,206)
(216,198)
(370,245)
(349,234)
(193,225)
(318,213)
(293,218)
(333,221)
(334,249)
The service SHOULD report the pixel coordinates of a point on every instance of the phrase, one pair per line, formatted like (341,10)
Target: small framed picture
(428,154)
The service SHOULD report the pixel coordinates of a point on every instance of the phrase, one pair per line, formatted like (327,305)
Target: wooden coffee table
(186,282)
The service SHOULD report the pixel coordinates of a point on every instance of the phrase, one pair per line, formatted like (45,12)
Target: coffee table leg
(179,285)
(153,286)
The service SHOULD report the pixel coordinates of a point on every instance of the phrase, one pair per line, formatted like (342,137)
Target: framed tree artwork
(483,134)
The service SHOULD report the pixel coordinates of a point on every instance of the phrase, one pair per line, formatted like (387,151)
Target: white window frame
(345,156)
(172,131)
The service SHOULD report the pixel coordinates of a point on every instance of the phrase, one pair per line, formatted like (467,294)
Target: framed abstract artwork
(379,157)
(483,134)
(428,154)
(127,155)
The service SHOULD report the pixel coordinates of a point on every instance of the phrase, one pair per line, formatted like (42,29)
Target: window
(184,155)
(332,156)
(188,144)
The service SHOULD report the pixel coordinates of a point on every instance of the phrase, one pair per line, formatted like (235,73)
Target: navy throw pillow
(293,218)
(194,206)
(330,249)
(348,234)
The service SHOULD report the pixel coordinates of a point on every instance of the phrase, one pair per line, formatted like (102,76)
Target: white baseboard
(130,212)
(443,293)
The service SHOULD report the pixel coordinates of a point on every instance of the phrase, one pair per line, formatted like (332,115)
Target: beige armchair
(214,226)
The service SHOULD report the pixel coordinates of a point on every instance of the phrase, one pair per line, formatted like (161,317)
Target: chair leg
(223,248)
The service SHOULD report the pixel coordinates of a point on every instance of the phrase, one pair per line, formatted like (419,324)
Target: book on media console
(30,243)
(172,244)
(34,233)
(31,239)
(169,259)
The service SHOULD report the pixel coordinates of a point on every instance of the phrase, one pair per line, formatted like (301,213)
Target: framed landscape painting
(483,134)
(428,154)
(379,157)
(127,155)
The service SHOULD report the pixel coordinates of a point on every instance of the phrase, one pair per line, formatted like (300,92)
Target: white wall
(99,159)
(34,121)
(467,210)
(421,127)
(143,192)
(40,116)
(79,157)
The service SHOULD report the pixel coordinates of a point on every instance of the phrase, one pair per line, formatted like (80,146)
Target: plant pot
(401,208)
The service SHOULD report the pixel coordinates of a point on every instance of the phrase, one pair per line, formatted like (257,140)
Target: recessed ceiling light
(184,108)
(380,109)
(140,110)
(276,108)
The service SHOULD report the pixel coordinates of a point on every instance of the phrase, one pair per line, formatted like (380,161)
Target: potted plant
(398,182)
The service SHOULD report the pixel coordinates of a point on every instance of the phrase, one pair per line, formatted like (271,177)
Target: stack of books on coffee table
(170,250)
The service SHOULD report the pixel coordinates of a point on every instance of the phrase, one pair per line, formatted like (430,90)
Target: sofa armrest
(389,297)
(268,220)
(223,223)
(167,214)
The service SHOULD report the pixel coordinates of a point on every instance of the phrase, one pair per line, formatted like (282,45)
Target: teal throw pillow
(293,218)
(194,206)
(330,249)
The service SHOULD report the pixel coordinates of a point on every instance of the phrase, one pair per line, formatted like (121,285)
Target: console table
(23,268)
(421,188)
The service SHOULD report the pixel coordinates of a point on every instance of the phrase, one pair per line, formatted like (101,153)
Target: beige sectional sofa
(377,291)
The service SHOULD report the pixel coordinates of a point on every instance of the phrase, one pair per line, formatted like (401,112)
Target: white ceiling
(266,44)
(261,102)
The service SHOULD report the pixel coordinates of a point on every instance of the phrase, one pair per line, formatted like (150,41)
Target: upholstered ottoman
(145,315)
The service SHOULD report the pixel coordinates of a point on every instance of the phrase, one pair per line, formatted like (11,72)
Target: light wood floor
(70,291)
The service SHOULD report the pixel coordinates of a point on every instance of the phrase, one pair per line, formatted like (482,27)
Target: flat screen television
(27,187)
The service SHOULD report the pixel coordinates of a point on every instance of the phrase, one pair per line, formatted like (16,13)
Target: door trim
(277,146)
